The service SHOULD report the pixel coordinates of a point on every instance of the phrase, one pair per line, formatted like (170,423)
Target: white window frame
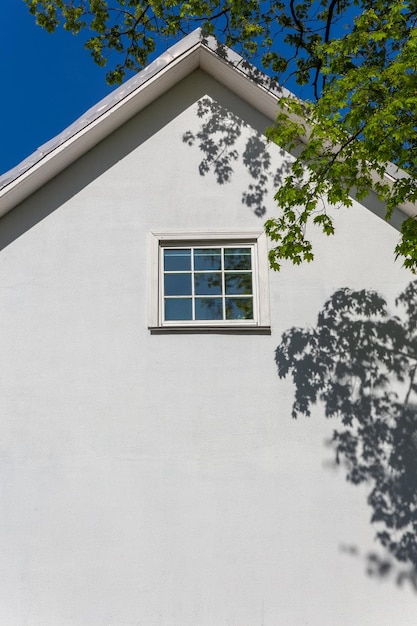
(256,239)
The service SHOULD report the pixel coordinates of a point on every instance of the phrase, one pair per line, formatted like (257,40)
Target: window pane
(178,309)
(177,285)
(237,259)
(238,283)
(207,259)
(209,283)
(239,308)
(177,260)
(208,309)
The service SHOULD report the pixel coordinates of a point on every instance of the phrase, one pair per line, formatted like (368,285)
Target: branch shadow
(360,363)
(384,567)
(214,135)
(230,55)
(223,143)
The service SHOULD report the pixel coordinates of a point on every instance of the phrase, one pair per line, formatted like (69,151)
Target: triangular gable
(193,52)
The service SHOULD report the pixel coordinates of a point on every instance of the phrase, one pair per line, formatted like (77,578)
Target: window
(202,281)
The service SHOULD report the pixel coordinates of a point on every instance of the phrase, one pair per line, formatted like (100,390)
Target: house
(151,473)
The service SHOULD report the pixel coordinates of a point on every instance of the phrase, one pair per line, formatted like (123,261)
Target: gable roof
(193,52)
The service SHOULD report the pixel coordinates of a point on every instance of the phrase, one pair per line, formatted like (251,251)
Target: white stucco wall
(159,479)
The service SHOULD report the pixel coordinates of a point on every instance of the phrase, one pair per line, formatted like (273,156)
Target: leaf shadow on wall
(360,363)
(222,143)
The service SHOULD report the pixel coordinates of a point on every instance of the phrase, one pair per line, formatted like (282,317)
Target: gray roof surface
(103,105)
(174,53)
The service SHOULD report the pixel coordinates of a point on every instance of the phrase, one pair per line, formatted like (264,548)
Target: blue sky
(48,81)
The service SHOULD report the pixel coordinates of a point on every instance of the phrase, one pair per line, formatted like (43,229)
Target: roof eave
(193,52)
(56,160)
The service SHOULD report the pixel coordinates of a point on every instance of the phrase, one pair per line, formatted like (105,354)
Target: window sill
(229,329)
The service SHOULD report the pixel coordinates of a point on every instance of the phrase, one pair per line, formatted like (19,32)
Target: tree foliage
(360,362)
(365,117)
(360,58)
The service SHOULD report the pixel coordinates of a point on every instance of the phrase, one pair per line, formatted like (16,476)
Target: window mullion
(192,285)
(161,285)
(223,285)
(255,284)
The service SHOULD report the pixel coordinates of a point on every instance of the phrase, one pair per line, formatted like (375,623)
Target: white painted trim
(126,101)
(203,235)
(84,139)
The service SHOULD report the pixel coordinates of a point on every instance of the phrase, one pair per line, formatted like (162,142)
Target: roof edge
(193,51)
(35,161)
